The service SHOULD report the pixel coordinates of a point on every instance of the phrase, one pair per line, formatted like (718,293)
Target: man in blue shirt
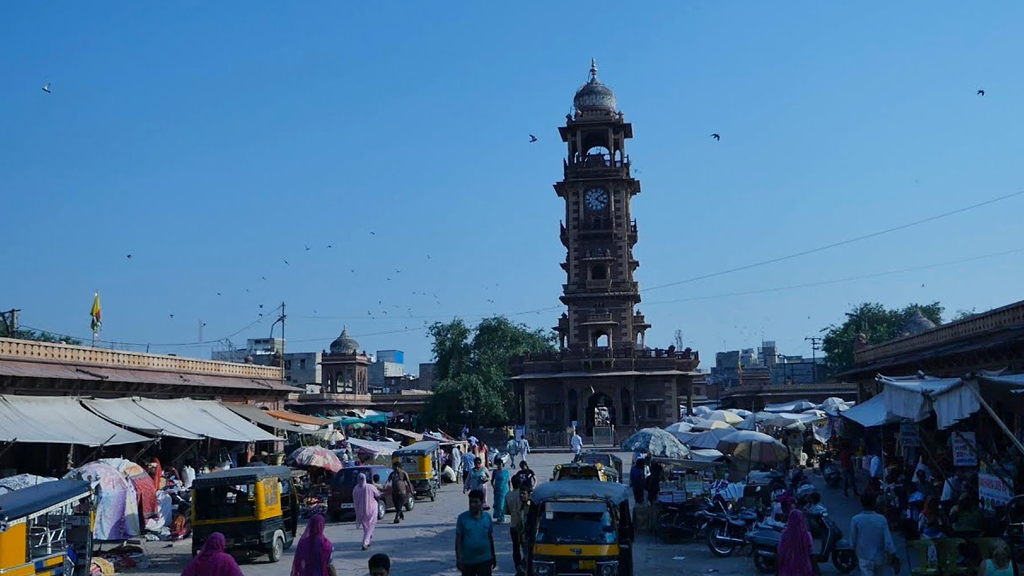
(474,539)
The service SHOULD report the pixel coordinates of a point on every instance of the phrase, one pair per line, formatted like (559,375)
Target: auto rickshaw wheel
(433,493)
(381,511)
(276,547)
(409,504)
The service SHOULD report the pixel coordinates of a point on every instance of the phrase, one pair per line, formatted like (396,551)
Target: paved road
(424,543)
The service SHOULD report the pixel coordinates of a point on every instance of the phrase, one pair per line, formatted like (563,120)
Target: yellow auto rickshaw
(46,529)
(584,471)
(423,464)
(603,458)
(579,527)
(256,508)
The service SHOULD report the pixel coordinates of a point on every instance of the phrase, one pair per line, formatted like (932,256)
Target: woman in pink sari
(314,556)
(365,497)
(796,548)
(212,560)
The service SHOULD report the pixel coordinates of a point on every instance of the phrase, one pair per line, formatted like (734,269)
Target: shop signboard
(964,450)
(993,491)
(910,436)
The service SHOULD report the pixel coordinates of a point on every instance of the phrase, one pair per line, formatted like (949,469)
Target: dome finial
(593,70)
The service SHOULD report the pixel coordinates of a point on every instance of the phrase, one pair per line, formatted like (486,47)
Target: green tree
(878,323)
(36,335)
(963,315)
(472,365)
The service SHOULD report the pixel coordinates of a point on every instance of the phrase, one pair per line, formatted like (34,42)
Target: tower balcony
(563,234)
(599,319)
(596,166)
(634,236)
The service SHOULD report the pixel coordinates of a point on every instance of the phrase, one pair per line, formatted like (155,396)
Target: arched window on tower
(601,340)
(598,272)
(598,156)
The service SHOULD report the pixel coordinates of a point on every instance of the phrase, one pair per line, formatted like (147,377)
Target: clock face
(596,199)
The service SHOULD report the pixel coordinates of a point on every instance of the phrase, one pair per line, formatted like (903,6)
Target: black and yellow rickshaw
(46,529)
(603,458)
(583,471)
(579,527)
(256,508)
(423,464)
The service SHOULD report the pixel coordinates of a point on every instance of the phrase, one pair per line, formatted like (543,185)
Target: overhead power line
(837,244)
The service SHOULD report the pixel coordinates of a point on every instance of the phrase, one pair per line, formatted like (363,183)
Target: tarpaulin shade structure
(261,416)
(798,406)
(126,412)
(373,419)
(206,418)
(916,397)
(871,413)
(382,448)
(300,418)
(58,420)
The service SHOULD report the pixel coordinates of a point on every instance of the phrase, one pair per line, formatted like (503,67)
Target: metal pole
(998,420)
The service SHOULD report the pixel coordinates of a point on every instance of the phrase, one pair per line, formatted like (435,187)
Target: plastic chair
(948,550)
(923,566)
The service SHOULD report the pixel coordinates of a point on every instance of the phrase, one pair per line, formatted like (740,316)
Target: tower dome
(917,324)
(594,96)
(344,344)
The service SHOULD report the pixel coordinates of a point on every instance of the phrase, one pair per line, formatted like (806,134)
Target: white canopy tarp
(126,412)
(381,448)
(916,397)
(797,406)
(58,420)
(871,413)
(705,455)
(206,418)
(835,405)
(783,419)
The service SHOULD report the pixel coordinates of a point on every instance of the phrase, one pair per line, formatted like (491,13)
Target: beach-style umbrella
(740,412)
(705,440)
(724,416)
(754,447)
(679,428)
(701,411)
(329,435)
(704,424)
(656,442)
(316,457)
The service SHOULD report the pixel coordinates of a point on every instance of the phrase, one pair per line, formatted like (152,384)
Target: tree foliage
(36,335)
(472,364)
(878,323)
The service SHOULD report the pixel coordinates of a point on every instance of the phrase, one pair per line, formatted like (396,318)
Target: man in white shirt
(876,466)
(524,447)
(457,460)
(871,539)
(576,443)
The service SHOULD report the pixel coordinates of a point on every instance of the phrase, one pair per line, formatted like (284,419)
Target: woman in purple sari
(796,548)
(212,560)
(314,556)
(365,497)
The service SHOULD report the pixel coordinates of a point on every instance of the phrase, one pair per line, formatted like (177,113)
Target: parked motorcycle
(684,520)
(764,540)
(832,474)
(727,530)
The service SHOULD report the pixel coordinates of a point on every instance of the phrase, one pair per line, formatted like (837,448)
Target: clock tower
(604,380)
(598,231)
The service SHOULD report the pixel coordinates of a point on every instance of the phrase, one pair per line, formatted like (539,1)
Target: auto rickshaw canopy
(239,475)
(37,500)
(421,448)
(616,493)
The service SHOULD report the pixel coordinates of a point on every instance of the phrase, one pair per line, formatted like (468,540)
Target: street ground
(424,543)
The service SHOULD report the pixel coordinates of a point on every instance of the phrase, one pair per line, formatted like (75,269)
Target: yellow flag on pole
(96,313)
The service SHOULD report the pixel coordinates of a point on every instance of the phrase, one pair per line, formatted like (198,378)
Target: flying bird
(218,293)
(716,136)
(264,278)
(261,305)
(532,138)
(306,247)
(172,316)
(372,233)
(286,263)
(46,88)
(129,256)
(980,92)
(330,245)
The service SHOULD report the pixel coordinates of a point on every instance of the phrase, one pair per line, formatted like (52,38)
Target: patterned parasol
(656,442)
(316,457)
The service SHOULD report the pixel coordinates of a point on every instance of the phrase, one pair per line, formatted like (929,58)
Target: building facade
(603,375)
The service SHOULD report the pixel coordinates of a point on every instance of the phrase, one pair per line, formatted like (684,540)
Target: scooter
(832,475)
(764,540)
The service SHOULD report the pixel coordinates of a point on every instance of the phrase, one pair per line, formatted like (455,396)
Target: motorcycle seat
(748,515)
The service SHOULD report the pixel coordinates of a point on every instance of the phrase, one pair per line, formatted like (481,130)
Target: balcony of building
(623,358)
(596,166)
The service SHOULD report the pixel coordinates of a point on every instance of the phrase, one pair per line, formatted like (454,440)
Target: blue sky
(215,141)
